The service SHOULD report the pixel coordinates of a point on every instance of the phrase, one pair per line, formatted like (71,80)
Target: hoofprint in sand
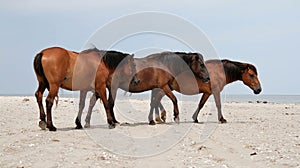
(256,135)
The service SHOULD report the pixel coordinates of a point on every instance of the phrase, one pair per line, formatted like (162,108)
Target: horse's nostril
(135,82)
(257,91)
(206,80)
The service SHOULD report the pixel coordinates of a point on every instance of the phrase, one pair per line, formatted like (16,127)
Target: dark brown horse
(221,73)
(158,71)
(89,70)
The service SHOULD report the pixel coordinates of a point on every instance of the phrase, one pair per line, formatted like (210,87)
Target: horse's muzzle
(206,80)
(257,90)
(135,81)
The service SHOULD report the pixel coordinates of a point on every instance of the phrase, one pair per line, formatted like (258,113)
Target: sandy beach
(256,135)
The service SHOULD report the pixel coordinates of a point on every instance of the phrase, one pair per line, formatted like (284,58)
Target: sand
(256,135)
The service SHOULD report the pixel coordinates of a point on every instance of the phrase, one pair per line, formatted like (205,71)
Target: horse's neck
(179,65)
(172,64)
(228,81)
(231,79)
(174,70)
(232,74)
(175,65)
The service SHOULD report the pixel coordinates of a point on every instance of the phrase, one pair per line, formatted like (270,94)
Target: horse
(221,73)
(158,71)
(91,69)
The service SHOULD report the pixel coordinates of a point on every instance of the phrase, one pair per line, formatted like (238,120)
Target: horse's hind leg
(49,103)
(81,107)
(39,98)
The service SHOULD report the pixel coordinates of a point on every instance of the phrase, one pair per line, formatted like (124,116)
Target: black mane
(174,60)
(110,58)
(233,69)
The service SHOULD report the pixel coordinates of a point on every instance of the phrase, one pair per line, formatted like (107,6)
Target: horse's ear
(244,68)
(247,67)
(93,45)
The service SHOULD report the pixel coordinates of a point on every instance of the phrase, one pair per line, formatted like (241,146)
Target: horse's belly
(186,83)
(77,83)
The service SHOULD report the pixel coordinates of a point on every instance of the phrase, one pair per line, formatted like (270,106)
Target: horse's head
(250,78)
(198,67)
(129,69)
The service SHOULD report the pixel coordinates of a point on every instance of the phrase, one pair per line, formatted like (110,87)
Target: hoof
(151,122)
(163,115)
(111,126)
(158,120)
(51,128)
(79,127)
(222,120)
(87,125)
(176,119)
(194,118)
(78,124)
(43,125)
(196,121)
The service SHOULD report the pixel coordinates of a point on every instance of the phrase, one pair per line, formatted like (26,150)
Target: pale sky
(265,33)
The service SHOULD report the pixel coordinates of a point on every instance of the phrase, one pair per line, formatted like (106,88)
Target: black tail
(39,70)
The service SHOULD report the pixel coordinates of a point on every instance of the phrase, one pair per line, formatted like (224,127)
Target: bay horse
(221,73)
(89,70)
(158,71)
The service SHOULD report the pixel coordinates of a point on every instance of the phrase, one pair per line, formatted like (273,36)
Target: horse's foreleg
(93,101)
(169,93)
(111,100)
(102,94)
(81,107)
(203,100)
(156,96)
(163,113)
(219,107)
(150,116)
(160,118)
(39,99)
(49,103)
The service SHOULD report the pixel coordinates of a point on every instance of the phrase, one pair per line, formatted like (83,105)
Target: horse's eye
(251,76)
(202,65)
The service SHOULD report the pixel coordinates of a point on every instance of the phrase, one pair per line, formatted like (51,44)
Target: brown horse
(221,73)
(89,70)
(158,71)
